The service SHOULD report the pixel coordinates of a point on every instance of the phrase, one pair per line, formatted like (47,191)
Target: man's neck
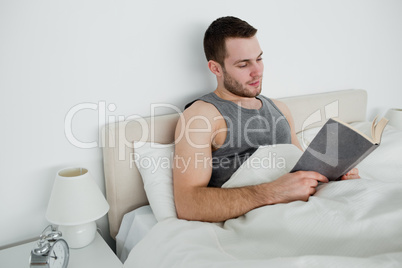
(245,102)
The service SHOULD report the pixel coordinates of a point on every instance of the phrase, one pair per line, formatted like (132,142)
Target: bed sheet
(355,223)
(135,225)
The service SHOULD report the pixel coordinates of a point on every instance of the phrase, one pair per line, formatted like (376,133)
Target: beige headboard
(124,187)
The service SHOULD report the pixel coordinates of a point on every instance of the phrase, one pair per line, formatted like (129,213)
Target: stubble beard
(237,88)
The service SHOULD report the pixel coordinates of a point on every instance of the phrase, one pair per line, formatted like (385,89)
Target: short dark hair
(222,29)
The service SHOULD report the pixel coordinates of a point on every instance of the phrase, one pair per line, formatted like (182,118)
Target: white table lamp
(395,118)
(75,203)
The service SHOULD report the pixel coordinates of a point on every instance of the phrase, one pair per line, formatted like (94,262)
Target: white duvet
(355,223)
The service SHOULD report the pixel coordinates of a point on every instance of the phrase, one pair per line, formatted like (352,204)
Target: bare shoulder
(282,107)
(200,115)
(201,108)
(201,111)
(288,115)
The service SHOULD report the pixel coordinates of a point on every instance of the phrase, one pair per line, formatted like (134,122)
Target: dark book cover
(335,150)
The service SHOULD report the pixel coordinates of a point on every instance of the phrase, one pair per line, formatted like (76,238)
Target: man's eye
(242,66)
(259,59)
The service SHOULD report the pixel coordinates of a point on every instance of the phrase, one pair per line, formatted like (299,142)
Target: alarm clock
(51,251)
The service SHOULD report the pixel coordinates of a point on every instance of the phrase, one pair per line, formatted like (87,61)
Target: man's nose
(257,70)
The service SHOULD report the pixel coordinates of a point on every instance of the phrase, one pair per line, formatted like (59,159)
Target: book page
(355,129)
(378,129)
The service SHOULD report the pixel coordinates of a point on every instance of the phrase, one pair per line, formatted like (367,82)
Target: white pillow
(154,162)
(265,165)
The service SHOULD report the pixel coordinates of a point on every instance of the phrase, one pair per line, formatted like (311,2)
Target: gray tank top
(247,129)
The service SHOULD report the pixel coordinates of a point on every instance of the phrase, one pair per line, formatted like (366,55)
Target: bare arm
(192,172)
(286,112)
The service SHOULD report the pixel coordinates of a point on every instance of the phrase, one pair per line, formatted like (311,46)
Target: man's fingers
(350,177)
(353,171)
(352,174)
(315,176)
(312,190)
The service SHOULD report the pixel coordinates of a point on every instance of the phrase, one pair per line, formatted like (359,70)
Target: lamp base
(78,236)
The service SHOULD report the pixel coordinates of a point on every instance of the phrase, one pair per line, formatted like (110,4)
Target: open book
(338,147)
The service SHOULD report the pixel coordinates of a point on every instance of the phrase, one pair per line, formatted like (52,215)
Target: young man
(220,130)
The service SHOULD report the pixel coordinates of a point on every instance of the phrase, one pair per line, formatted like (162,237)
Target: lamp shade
(75,199)
(395,118)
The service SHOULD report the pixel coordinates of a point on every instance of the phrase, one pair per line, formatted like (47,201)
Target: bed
(356,223)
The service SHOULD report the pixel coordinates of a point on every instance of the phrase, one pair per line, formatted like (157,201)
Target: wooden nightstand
(97,255)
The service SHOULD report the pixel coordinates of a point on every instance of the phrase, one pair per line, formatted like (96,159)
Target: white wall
(56,55)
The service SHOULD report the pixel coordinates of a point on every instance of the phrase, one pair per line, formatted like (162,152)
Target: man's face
(244,68)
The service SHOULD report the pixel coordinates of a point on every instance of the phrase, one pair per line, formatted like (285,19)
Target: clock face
(58,254)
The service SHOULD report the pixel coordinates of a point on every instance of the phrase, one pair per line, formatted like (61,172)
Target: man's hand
(353,174)
(295,186)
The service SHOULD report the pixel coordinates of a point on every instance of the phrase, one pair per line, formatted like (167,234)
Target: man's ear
(215,68)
